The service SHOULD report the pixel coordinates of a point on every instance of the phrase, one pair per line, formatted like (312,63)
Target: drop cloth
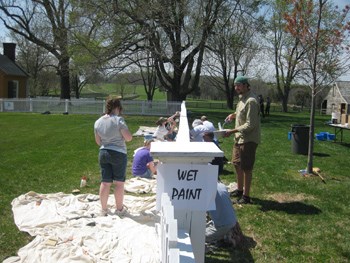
(68,228)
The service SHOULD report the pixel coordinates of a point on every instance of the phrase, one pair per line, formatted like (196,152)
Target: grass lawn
(101,91)
(292,219)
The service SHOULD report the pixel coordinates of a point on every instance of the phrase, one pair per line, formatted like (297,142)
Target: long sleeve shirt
(247,119)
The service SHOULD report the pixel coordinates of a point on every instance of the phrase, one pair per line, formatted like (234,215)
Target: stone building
(337,99)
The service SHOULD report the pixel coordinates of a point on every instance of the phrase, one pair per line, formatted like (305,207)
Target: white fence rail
(175,243)
(168,232)
(191,221)
(87,106)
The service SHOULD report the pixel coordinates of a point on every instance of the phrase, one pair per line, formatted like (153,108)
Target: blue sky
(342,3)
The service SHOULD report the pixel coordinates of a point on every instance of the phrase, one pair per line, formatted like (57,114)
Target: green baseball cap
(241,80)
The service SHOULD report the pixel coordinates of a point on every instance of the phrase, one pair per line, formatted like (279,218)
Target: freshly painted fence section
(185,153)
(168,232)
(175,243)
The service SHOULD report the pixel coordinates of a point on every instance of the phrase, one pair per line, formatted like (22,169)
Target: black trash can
(300,138)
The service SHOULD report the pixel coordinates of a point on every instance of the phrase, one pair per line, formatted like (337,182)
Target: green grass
(293,218)
(101,91)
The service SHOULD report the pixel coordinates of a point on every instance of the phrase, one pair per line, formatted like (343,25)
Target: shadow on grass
(346,254)
(321,154)
(347,145)
(225,172)
(239,254)
(287,207)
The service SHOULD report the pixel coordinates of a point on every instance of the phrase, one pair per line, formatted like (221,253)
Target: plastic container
(331,137)
(148,136)
(289,136)
(335,117)
(83,181)
(325,134)
(220,133)
(300,138)
(320,137)
(219,126)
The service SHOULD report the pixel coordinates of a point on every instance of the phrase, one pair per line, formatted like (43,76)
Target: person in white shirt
(197,131)
(210,127)
(166,129)
(111,133)
(208,124)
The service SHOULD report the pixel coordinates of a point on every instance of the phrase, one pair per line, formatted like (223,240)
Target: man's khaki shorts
(244,155)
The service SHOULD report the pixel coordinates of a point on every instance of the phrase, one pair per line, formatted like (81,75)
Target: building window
(12,88)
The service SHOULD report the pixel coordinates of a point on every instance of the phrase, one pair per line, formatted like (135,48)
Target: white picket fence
(182,227)
(168,232)
(175,243)
(87,106)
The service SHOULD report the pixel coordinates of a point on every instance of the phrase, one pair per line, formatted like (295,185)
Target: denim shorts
(113,165)
(147,174)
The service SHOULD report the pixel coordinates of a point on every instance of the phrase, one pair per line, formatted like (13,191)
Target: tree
(302,98)
(149,76)
(83,71)
(146,65)
(175,32)
(38,63)
(287,51)
(323,31)
(233,46)
(77,84)
(45,23)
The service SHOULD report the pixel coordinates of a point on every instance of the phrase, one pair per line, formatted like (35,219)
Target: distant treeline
(299,95)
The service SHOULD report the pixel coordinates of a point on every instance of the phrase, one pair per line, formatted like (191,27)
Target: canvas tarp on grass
(68,228)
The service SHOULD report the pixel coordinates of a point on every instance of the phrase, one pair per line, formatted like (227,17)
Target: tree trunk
(75,85)
(284,103)
(77,93)
(230,98)
(65,79)
(311,137)
(175,96)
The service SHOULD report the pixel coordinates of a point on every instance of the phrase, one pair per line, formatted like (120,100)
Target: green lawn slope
(292,218)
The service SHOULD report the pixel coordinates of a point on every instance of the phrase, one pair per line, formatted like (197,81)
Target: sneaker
(244,200)
(236,193)
(122,213)
(209,249)
(103,212)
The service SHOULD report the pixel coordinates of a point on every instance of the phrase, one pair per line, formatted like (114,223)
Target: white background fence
(87,106)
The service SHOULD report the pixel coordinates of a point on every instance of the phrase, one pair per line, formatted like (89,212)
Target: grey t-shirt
(109,127)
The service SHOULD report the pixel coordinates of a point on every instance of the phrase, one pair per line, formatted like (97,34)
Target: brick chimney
(10,50)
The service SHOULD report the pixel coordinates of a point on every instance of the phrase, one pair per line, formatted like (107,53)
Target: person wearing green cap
(246,137)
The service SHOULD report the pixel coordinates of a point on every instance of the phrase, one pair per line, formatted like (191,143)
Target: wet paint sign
(189,186)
